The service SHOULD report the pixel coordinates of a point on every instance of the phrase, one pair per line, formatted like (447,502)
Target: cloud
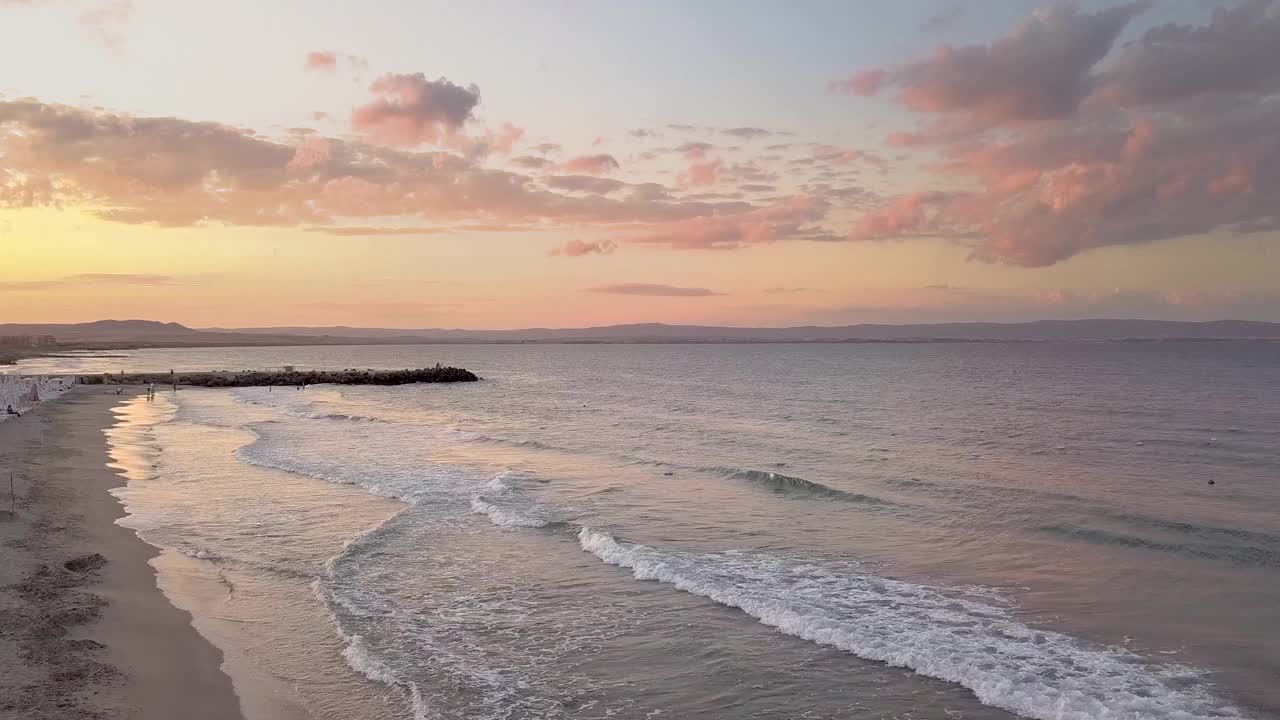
(321,60)
(88,279)
(586,183)
(530,162)
(653,290)
(747,133)
(864,82)
(642,134)
(310,154)
(944,19)
(1045,198)
(367,231)
(578,248)
(841,156)
(786,290)
(173,172)
(500,140)
(702,170)
(410,110)
(105,22)
(1237,52)
(122,279)
(592,164)
(910,214)
(784,219)
(1059,155)
(327,61)
(690,147)
(1042,70)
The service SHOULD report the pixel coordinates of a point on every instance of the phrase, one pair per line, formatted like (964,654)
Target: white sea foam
(505,517)
(362,661)
(1036,673)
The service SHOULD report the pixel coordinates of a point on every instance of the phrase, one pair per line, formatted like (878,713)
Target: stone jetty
(265,378)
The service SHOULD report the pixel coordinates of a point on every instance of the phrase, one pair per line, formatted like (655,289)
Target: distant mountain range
(149,333)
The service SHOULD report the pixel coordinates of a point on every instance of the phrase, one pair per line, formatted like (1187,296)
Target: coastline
(89,632)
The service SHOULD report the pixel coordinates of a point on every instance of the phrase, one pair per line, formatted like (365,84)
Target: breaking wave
(1036,673)
(788,485)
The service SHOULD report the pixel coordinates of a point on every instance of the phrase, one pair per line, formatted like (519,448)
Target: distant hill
(141,332)
(657,332)
(150,333)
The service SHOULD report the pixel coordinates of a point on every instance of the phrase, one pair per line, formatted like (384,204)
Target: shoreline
(90,633)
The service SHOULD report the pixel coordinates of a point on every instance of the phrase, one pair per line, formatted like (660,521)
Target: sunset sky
(570,163)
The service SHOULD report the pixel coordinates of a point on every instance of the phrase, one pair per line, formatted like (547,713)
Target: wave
(505,517)
(786,484)
(1237,554)
(1186,528)
(362,661)
(1036,673)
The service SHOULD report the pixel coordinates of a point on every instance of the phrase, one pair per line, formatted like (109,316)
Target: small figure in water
(10,411)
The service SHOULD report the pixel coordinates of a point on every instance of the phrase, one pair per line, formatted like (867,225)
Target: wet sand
(84,630)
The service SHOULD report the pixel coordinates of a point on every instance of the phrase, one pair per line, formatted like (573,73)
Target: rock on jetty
(263,378)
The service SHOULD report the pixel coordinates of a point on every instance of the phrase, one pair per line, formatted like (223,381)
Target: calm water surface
(773,531)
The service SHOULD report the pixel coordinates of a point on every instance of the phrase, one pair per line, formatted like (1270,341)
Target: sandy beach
(84,630)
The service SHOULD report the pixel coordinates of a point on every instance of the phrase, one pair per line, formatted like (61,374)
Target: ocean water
(767,531)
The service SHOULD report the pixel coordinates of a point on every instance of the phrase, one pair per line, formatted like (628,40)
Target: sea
(1066,531)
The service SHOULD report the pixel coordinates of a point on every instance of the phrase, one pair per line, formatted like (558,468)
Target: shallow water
(738,531)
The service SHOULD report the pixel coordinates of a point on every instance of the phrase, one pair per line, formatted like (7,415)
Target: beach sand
(84,630)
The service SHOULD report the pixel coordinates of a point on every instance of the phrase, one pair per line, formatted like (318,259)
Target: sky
(566,163)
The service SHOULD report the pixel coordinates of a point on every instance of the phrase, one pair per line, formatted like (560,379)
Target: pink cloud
(578,248)
(840,156)
(322,60)
(767,224)
(865,82)
(702,170)
(906,139)
(410,110)
(1047,197)
(502,139)
(106,20)
(173,172)
(311,153)
(592,164)
(1174,136)
(327,61)
(910,214)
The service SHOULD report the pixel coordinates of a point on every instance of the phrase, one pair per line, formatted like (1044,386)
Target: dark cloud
(1042,70)
(1237,52)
